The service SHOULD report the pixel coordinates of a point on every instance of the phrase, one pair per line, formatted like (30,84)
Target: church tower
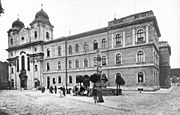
(41,28)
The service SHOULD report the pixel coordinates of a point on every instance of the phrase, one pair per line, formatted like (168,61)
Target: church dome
(18,24)
(41,17)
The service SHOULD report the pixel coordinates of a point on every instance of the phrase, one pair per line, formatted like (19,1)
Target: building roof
(41,16)
(175,72)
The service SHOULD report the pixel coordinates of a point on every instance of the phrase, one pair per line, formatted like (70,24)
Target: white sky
(83,15)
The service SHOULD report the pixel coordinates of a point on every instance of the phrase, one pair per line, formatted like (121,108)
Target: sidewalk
(90,100)
(162,90)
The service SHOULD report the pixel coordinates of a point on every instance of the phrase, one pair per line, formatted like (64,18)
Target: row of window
(118,38)
(140,59)
(35,36)
(140,78)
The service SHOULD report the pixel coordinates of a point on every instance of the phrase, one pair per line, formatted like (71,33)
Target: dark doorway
(48,82)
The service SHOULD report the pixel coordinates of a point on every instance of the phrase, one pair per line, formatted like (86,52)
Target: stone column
(133,36)
(147,34)
(123,39)
(112,41)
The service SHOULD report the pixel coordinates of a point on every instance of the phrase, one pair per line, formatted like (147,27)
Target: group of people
(53,89)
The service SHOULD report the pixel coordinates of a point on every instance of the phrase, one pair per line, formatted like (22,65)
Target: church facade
(129,46)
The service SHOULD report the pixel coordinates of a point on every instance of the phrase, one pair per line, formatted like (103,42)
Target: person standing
(64,91)
(95,93)
(55,89)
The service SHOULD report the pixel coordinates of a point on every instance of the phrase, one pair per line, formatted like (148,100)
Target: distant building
(164,64)
(128,46)
(4,77)
(175,75)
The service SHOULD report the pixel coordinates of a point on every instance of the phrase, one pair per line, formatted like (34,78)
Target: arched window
(103,43)
(70,49)
(48,68)
(103,61)
(140,56)
(35,68)
(119,40)
(95,44)
(85,62)
(95,61)
(47,35)
(35,49)
(140,77)
(59,64)
(140,35)
(28,63)
(59,50)
(48,52)
(76,48)
(118,58)
(70,79)
(35,34)
(70,64)
(22,62)
(17,61)
(59,79)
(77,63)
(54,80)
(11,41)
(86,47)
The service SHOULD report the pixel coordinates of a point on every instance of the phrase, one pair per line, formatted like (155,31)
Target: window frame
(143,79)
(70,64)
(140,57)
(95,45)
(118,58)
(70,79)
(77,63)
(104,43)
(59,65)
(70,49)
(77,48)
(47,35)
(59,50)
(119,39)
(104,61)
(85,62)
(140,35)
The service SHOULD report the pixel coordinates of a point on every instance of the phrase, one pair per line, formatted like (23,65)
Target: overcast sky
(83,15)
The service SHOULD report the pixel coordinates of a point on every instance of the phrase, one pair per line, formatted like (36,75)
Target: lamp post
(99,71)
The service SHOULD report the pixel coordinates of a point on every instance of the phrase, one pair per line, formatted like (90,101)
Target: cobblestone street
(30,102)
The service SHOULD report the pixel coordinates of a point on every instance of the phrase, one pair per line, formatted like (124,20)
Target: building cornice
(25,45)
(35,54)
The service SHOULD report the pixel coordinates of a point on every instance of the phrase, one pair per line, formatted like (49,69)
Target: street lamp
(99,71)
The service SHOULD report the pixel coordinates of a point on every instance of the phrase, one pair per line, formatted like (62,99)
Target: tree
(86,81)
(1,9)
(94,78)
(79,79)
(119,81)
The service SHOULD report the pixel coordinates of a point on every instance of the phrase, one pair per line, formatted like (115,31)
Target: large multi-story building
(4,78)
(129,46)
